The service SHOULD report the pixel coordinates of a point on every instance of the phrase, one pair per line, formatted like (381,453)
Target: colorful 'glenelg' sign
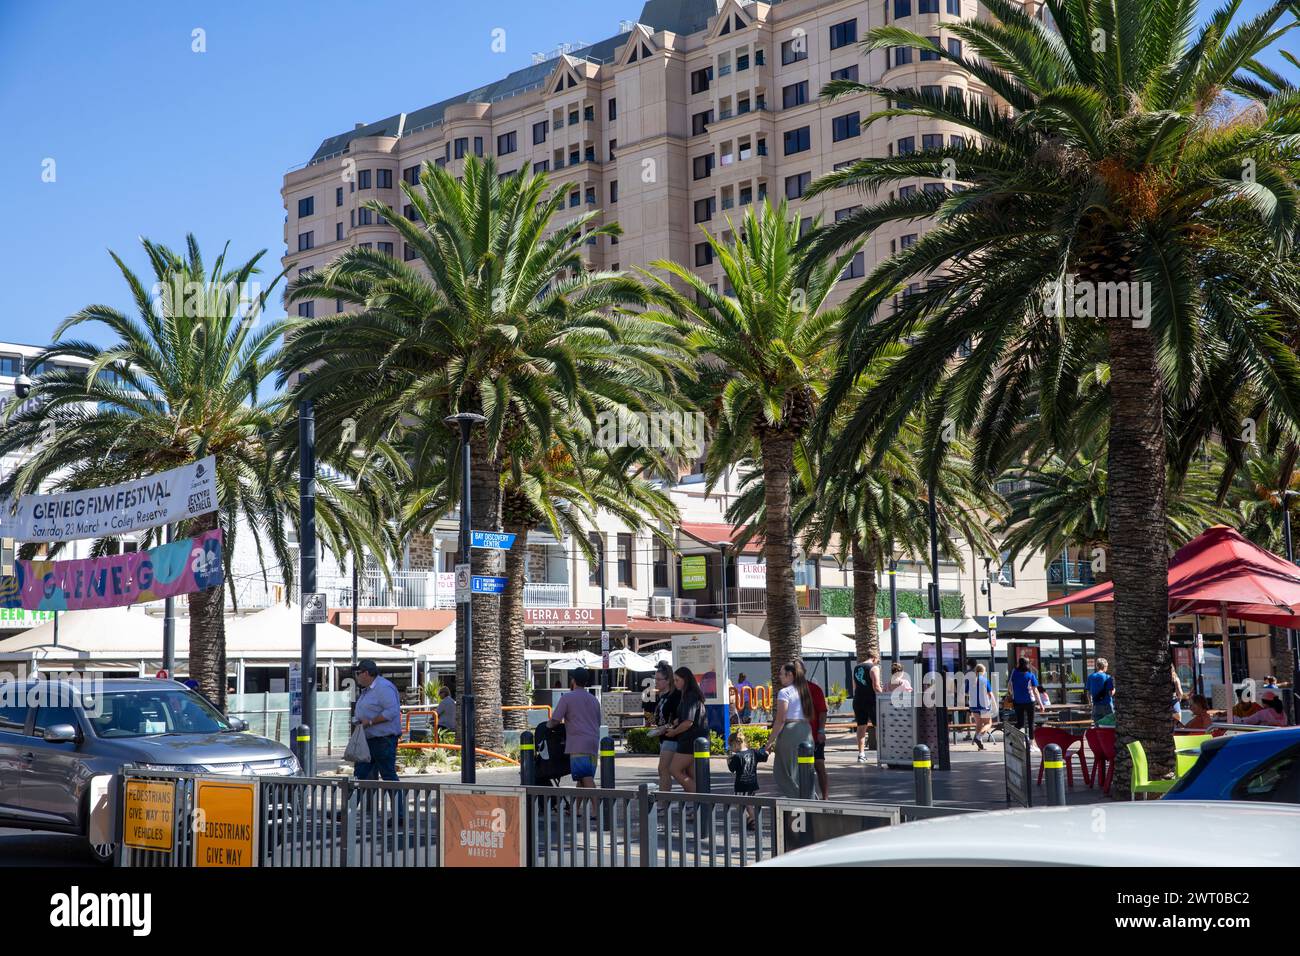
(116,580)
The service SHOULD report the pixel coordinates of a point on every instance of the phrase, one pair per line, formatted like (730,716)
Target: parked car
(1168,835)
(55,736)
(1262,765)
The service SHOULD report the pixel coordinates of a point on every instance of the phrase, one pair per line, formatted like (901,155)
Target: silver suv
(55,736)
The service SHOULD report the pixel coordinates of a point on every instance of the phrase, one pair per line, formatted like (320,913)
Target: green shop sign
(694,573)
(18,617)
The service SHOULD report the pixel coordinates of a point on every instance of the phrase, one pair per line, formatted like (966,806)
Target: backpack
(552,760)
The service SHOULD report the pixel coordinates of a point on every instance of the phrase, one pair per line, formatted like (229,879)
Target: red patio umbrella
(1218,573)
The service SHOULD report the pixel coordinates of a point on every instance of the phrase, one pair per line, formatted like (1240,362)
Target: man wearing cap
(379,711)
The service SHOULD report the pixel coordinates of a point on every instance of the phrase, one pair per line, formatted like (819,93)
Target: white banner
(122,509)
(751,574)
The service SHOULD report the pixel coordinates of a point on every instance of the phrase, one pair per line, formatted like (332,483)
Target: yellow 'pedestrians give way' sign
(225,828)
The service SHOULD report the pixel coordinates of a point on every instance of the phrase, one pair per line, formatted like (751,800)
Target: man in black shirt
(866,687)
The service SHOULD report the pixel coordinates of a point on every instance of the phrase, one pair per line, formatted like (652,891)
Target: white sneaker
(862,758)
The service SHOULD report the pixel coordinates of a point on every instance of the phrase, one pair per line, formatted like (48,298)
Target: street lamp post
(722,546)
(604,631)
(465,422)
(169,628)
(941,672)
(307,578)
(1293,637)
(893,604)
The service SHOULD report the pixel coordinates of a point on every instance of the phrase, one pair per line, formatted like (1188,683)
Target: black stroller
(552,762)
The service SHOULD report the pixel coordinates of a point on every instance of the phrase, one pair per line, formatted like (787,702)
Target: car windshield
(149,713)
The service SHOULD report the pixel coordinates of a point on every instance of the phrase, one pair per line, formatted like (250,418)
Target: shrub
(639,741)
(755,736)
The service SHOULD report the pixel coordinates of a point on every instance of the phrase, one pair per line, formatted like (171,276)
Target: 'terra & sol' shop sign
(481,827)
(226,823)
(573,617)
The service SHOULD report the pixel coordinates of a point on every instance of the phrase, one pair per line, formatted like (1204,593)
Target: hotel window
(902,8)
(338,196)
(506,143)
(796,185)
(797,140)
(408,253)
(461,145)
(796,94)
(613,109)
(575,199)
(902,55)
(363,179)
(855,269)
(613,145)
(954,7)
(478,146)
(908,241)
(700,79)
(906,192)
(591,195)
(794,50)
(408,211)
(383,179)
(927,55)
(842,214)
(932,188)
(907,145)
(338,232)
(411,175)
(306,240)
(385,247)
(9,365)
(661,566)
(927,6)
(703,254)
(596,563)
(306,206)
(539,132)
(954,48)
(934,91)
(613,192)
(625,565)
(700,122)
(702,166)
(842,34)
(846,127)
(307,310)
(364,217)
(704,209)
(542,167)
(742,62)
(849,73)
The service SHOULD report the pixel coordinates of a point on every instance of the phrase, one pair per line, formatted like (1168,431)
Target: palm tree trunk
(513,692)
(865,589)
(485,515)
(1139,559)
(207,661)
(778,549)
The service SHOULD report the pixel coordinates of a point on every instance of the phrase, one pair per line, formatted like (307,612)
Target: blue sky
(150,138)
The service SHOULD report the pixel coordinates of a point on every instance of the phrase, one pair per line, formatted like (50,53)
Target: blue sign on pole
(487,584)
(493,540)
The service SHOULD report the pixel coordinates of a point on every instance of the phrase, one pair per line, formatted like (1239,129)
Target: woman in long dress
(794,706)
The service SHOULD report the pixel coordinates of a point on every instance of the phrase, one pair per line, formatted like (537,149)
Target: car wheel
(105,854)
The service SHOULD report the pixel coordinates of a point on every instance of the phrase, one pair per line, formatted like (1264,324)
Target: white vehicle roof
(1173,833)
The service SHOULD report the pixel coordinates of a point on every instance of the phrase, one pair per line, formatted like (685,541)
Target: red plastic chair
(1101,740)
(1065,740)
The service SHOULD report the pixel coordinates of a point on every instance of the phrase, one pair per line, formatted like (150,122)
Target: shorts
(863,712)
(667,746)
(819,751)
(581,766)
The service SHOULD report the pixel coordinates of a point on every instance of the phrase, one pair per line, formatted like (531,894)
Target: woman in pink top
(1271,714)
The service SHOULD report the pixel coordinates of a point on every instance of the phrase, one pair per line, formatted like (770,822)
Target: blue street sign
(486,584)
(493,540)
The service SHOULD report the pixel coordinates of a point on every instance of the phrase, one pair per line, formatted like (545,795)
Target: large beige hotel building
(678,122)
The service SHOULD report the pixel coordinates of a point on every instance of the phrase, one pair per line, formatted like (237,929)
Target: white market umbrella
(825,639)
(1045,625)
(629,660)
(952,625)
(440,647)
(574,661)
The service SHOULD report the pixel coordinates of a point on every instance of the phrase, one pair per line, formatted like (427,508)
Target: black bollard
(302,746)
(607,763)
(924,778)
(702,782)
(527,759)
(1054,771)
(806,769)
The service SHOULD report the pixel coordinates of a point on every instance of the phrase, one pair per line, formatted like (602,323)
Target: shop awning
(709,534)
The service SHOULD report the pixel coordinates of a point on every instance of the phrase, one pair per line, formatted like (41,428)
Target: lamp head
(22,385)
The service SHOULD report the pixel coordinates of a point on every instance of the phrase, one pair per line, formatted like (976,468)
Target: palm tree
(183,378)
(497,315)
(769,346)
(1118,172)
(562,490)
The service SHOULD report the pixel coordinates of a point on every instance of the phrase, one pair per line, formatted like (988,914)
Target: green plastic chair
(1185,762)
(1139,782)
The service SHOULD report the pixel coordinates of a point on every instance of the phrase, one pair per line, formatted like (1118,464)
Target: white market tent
(910,637)
(827,640)
(129,639)
(630,660)
(741,643)
(952,625)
